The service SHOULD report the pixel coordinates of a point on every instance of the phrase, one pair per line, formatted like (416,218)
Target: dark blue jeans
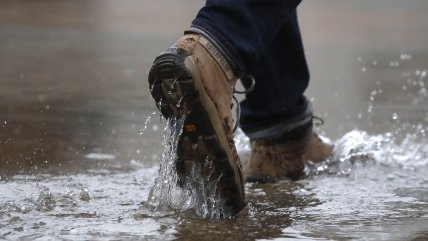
(263,39)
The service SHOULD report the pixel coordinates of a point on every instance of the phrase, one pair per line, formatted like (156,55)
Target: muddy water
(74,100)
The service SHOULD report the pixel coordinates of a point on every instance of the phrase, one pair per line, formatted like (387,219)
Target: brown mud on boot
(194,79)
(280,152)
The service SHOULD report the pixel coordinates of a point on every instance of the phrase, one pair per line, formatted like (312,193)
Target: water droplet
(394,116)
(146,123)
(84,195)
(405,56)
(46,200)
(179,102)
(394,64)
(363,69)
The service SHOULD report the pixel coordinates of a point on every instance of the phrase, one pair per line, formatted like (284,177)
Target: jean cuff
(199,27)
(286,130)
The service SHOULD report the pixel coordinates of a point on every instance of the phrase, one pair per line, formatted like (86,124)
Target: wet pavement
(74,100)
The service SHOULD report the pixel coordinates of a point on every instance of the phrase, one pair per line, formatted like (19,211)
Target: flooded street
(81,140)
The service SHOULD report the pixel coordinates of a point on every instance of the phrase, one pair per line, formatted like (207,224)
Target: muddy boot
(194,79)
(280,151)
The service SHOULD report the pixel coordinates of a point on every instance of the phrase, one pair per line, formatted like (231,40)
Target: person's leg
(194,80)
(276,115)
(245,28)
(281,77)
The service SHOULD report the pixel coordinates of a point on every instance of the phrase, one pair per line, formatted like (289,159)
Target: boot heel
(171,85)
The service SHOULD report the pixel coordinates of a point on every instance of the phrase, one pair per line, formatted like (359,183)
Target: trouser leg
(281,78)
(263,39)
(246,28)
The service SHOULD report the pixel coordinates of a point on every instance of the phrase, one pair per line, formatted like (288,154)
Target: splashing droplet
(395,116)
(405,56)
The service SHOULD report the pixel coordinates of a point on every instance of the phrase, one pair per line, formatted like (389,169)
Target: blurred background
(73,75)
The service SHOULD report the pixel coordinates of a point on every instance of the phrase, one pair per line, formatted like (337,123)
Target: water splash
(358,148)
(46,200)
(242,143)
(147,122)
(196,193)
(160,194)
(179,102)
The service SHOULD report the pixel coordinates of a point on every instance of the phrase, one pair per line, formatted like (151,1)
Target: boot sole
(179,92)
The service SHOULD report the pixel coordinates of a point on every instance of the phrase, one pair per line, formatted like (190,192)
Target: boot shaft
(215,73)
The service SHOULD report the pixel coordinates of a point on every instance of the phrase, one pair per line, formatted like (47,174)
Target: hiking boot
(280,151)
(194,79)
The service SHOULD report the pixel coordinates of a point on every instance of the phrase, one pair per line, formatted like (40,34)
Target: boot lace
(319,121)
